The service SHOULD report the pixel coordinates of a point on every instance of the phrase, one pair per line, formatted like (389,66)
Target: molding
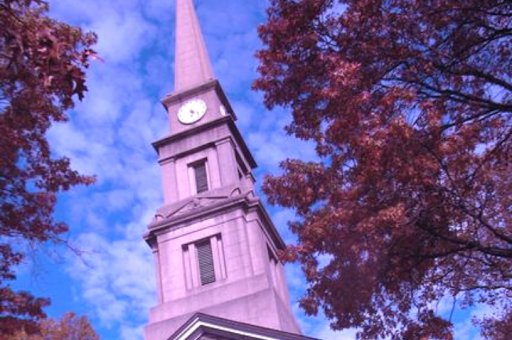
(193,131)
(170,220)
(202,324)
(172,98)
(198,324)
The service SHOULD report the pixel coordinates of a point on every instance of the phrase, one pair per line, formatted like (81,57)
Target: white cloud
(131,333)
(465,329)
(272,147)
(122,36)
(117,278)
(120,26)
(159,10)
(326,333)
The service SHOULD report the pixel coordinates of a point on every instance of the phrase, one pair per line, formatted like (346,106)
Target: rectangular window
(201,177)
(205,260)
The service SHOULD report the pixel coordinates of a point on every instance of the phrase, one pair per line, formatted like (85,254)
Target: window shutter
(205,259)
(201,179)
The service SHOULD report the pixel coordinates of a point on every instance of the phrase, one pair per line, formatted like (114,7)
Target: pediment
(208,327)
(202,201)
(197,202)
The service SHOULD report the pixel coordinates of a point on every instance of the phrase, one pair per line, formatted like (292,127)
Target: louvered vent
(201,178)
(205,259)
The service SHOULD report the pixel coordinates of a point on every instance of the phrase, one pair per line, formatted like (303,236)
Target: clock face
(192,111)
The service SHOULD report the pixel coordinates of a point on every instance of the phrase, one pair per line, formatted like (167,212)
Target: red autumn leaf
(42,64)
(409,104)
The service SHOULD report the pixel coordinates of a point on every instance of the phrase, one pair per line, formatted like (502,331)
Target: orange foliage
(42,68)
(409,104)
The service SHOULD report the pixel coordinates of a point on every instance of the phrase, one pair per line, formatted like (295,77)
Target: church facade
(215,246)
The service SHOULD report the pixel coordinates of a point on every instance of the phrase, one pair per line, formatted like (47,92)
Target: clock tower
(215,247)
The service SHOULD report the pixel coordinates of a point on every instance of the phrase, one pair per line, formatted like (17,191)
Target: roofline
(200,320)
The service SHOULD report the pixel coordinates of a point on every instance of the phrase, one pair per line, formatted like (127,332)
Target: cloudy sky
(110,135)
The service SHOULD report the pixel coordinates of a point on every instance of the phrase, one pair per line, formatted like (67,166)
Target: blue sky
(110,135)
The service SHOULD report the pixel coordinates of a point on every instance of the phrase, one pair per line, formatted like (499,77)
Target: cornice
(246,201)
(190,133)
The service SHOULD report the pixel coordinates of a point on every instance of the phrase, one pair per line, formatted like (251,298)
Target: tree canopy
(42,70)
(409,105)
(69,327)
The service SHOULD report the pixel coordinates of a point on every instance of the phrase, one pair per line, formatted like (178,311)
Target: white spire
(192,65)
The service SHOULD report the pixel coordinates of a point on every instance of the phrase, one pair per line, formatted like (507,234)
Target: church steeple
(214,244)
(192,65)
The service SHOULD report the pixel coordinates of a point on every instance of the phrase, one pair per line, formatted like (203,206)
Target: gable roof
(203,326)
